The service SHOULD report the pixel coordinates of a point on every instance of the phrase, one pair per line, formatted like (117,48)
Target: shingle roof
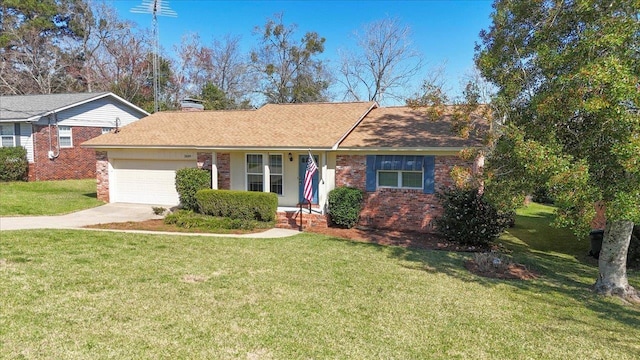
(23,107)
(311,125)
(404,128)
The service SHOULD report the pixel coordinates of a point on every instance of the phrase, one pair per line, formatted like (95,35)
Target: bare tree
(100,26)
(221,65)
(289,71)
(124,66)
(382,65)
(229,69)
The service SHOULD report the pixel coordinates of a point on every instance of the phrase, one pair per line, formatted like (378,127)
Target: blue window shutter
(371,173)
(429,174)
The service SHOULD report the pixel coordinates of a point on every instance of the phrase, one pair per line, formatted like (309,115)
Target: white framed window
(276,173)
(255,172)
(7,135)
(106,130)
(400,179)
(64,133)
(401,172)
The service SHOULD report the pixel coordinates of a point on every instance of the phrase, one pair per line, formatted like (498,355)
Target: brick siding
(398,209)
(72,163)
(223,164)
(292,220)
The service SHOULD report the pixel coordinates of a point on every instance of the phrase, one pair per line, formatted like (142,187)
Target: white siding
(26,140)
(98,113)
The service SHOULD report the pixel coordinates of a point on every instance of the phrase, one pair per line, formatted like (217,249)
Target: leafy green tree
(215,99)
(289,72)
(33,40)
(568,78)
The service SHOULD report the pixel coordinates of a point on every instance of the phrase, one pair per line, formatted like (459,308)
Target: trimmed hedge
(188,219)
(13,164)
(345,204)
(234,204)
(188,182)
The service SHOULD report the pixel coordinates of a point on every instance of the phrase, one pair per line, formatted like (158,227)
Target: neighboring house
(52,127)
(396,155)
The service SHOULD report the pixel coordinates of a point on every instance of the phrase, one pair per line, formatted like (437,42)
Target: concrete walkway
(116,212)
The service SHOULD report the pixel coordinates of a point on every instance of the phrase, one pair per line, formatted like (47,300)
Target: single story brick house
(397,155)
(51,128)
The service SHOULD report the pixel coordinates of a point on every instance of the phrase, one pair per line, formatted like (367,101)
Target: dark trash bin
(596,242)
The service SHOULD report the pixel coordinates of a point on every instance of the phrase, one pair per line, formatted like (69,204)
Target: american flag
(308,178)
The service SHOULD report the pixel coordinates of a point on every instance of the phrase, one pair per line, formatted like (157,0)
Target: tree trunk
(612,279)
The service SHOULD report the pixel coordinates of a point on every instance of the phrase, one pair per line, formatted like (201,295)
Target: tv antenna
(156,8)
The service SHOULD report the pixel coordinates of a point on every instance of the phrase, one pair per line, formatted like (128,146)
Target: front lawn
(47,197)
(91,295)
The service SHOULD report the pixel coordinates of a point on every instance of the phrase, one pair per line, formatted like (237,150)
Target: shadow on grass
(555,254)
(558,275)
(91,195)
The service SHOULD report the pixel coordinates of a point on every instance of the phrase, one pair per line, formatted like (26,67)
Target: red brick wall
(224,170)
(292,219)
(72,163)
(102,175)
(224,167)
(399,209)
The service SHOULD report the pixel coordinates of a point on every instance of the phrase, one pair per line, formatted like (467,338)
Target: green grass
(96,295)
(47,197)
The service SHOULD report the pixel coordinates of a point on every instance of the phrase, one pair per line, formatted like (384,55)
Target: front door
(302,169)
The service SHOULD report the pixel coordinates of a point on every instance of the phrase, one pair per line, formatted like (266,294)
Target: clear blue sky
(444,31)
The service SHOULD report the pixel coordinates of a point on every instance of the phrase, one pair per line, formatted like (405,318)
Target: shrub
(187,219)
(345,204)
(245,205)
(468,218)
(158,210)
(13,164)
(188,182)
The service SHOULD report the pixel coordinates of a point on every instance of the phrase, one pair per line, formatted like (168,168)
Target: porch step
(292,219)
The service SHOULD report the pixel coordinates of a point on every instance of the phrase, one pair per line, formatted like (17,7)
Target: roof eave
(205,148)
(431,149)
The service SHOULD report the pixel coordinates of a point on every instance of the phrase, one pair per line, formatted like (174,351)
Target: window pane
(65,141)
(388,178)
(6,129)
(7,141)
(276,184)
(254,183)
(412,179)
(254,163)
(275,164)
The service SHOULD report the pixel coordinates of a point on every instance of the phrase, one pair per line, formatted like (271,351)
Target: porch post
(322,185)
(266,180)
(214,171)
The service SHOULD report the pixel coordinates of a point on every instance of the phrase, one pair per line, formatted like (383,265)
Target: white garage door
(145,181)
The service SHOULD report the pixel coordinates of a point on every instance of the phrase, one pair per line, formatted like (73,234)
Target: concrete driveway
(116,212)
(109,213)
